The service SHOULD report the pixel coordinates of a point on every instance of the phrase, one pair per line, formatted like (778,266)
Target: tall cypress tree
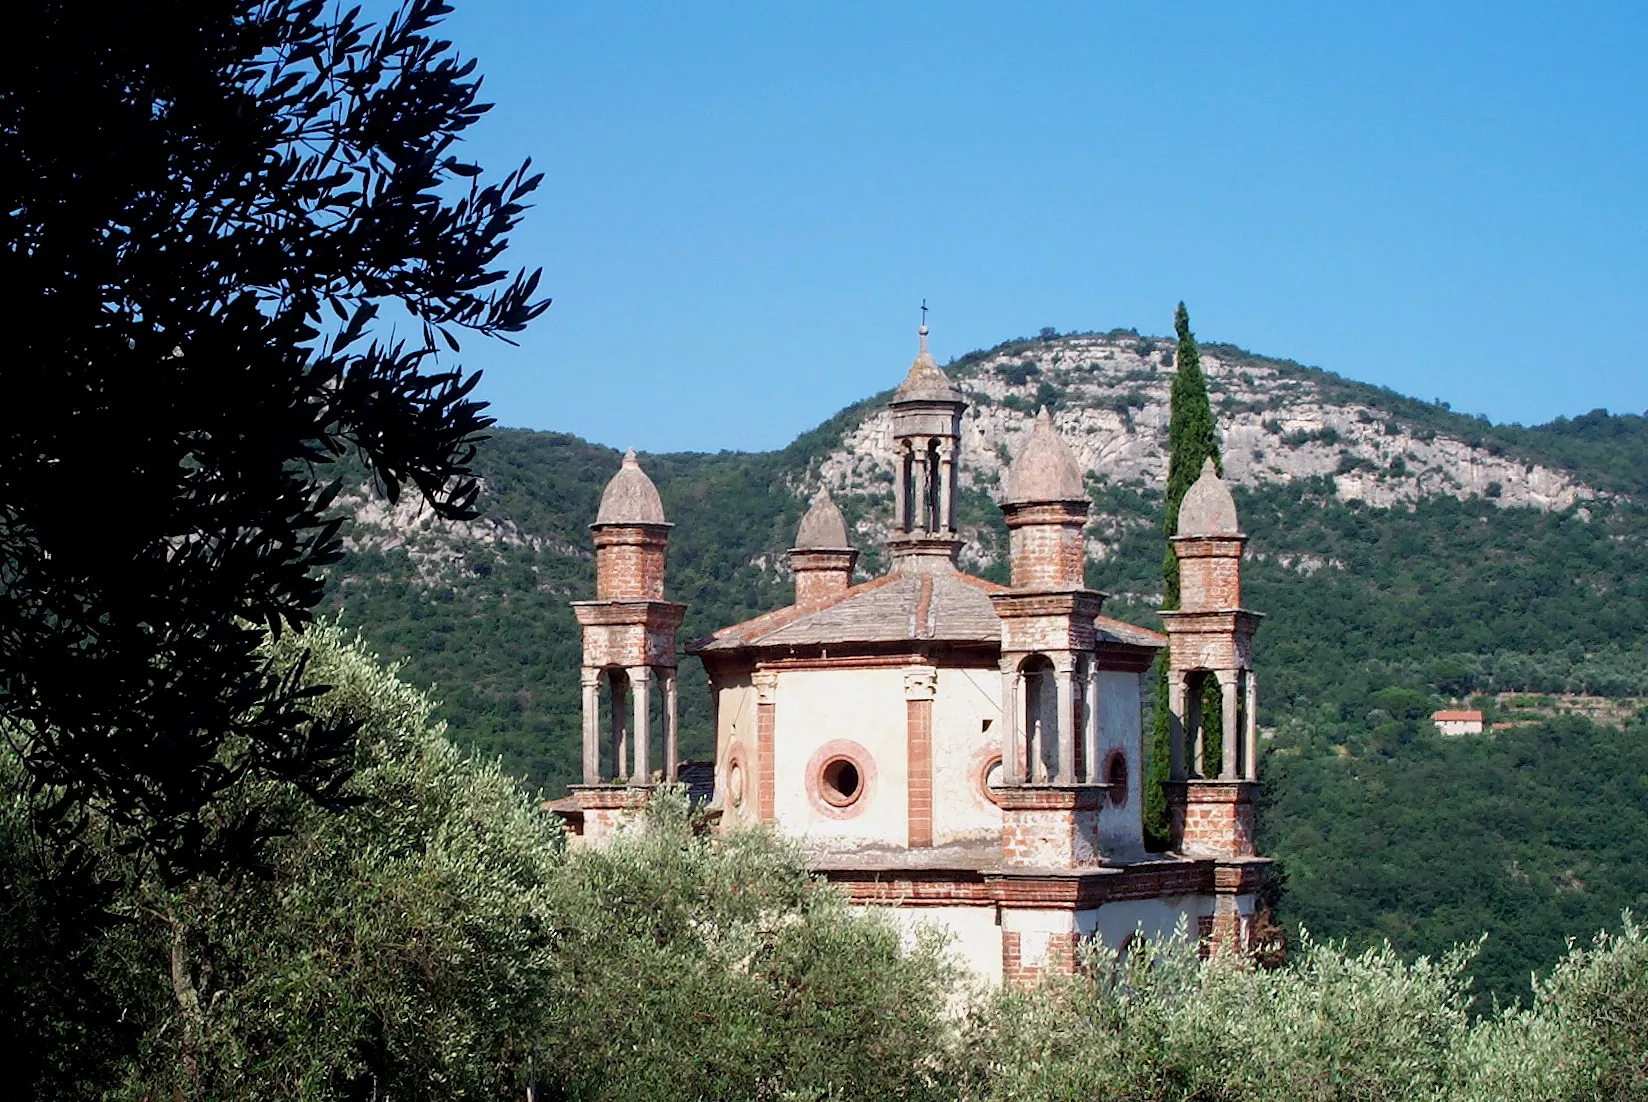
(1191,441)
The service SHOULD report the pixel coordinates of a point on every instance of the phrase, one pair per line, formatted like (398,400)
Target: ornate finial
(630,460)
(923,330)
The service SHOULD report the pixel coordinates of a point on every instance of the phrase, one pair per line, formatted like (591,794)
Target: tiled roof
(939,607)
(1447,716)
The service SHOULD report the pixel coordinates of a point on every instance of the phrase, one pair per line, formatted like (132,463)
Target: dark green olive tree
(1191,442)
(210,211)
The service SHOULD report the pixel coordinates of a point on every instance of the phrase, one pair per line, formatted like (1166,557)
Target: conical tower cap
(823,528)
(630,498)
(926,381)
(1207,508)
(1046,470)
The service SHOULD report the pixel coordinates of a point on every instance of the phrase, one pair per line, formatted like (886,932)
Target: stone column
(1063,680)
(1251,735)
(1037,773)
(1091,737)
(946,487)
(620,725)
(640,677)
(1012,742)
(671,764)
(591,680)
(1195,721)
(901,515)
(1229,744)
(1176,728)
(918,515)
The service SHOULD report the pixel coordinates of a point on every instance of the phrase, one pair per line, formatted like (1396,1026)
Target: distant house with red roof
(1457,721)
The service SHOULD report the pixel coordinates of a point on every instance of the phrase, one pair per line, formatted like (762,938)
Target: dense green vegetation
(1435,602)
(434,937)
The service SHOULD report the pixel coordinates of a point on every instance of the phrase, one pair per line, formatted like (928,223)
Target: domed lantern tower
(926,410)
(1210,635)
(629,633)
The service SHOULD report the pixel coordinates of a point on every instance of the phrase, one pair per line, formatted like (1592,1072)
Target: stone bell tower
(629,648)
(926,441)
(1210,635)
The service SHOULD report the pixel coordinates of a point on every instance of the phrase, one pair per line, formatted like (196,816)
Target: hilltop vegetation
(1374,615)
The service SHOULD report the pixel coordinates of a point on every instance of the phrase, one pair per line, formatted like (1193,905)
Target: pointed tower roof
(1207,508)
(1046,470)
(926,381)
(630,498)
(823,528)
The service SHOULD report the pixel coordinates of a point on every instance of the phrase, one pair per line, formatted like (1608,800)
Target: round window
(988,775)
(841,783)
(841,779)
(1115,775)
(735,784)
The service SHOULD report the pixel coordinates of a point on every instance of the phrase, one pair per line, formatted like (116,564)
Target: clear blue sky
(745,204)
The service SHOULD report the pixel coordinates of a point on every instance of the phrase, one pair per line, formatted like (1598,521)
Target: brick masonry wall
(919,738)
(629,572)
(1209,584)
(813,585)
(1052,839)
(1213,819)
(1047,556)
(1060,958)
(629,562)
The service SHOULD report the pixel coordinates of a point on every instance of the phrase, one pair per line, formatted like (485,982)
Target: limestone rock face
(1276,422)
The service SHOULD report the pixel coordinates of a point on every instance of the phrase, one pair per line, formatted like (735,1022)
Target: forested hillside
(1404,556)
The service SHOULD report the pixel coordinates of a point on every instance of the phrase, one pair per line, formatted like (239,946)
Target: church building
(957,751)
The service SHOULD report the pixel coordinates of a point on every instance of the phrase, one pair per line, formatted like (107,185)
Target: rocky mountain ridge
(1109,394)
(1110,398)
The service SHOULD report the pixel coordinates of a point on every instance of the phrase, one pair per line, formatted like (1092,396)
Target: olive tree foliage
(713,966)
(1328,1026)
(205,206)
(400,948)
(435,938)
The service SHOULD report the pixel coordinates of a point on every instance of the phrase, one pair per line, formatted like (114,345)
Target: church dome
(1046,470)
(926,381)
(1207,508)
(630,498)
(823,528)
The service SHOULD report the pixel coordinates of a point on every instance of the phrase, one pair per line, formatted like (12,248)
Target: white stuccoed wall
(1115,922)
(971,934)
(735,719)
(1121,832)
(865,706)
(966,698)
